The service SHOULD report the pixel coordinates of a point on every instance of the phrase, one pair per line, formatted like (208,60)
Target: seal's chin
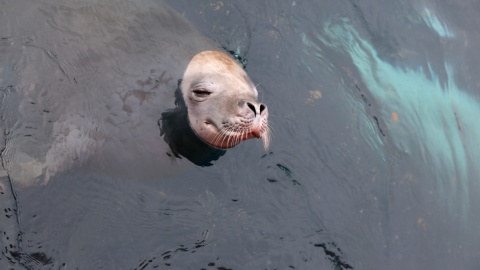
(229,135)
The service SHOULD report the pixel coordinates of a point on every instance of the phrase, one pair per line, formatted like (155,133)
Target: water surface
(372,164)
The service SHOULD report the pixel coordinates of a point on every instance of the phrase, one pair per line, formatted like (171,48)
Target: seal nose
(260,108)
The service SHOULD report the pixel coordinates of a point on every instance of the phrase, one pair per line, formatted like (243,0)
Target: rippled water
(372,164)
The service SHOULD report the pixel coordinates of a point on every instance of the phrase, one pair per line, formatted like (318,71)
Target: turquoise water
(434,121)
(420,121)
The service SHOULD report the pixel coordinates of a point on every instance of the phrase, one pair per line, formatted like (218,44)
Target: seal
(83,84)
(222,101)
(86,90)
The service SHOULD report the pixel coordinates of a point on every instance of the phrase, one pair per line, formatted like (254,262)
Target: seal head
(221,100)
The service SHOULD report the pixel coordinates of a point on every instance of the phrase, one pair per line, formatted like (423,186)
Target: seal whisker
(219,136)
(243,132)
(266,136)
(223,135)
(227,136)
(234,138)
(239,137)
(246,131)
(232,134)
(270,131)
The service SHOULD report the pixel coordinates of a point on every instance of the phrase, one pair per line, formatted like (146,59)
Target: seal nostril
(262,108)
(252,107)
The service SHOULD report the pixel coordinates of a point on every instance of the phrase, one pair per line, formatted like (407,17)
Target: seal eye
(201,94)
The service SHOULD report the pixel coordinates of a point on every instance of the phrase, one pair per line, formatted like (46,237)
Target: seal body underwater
(85,82)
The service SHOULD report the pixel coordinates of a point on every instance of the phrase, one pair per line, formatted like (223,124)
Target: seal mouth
(230,134)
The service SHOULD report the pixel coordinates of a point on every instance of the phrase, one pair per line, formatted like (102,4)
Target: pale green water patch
(432,21)
(433,122)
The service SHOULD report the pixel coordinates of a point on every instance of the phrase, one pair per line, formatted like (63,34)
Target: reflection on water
(425,118)
(433,125)
(435,24)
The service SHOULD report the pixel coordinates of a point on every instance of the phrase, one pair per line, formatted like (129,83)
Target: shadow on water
(180,137)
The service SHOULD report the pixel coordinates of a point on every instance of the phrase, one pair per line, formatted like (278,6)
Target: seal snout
(258,113)
(257,132)
(256,108)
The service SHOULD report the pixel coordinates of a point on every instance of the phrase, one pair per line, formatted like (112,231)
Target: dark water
(372,165)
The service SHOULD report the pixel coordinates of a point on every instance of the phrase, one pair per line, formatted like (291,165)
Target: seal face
(221,100)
